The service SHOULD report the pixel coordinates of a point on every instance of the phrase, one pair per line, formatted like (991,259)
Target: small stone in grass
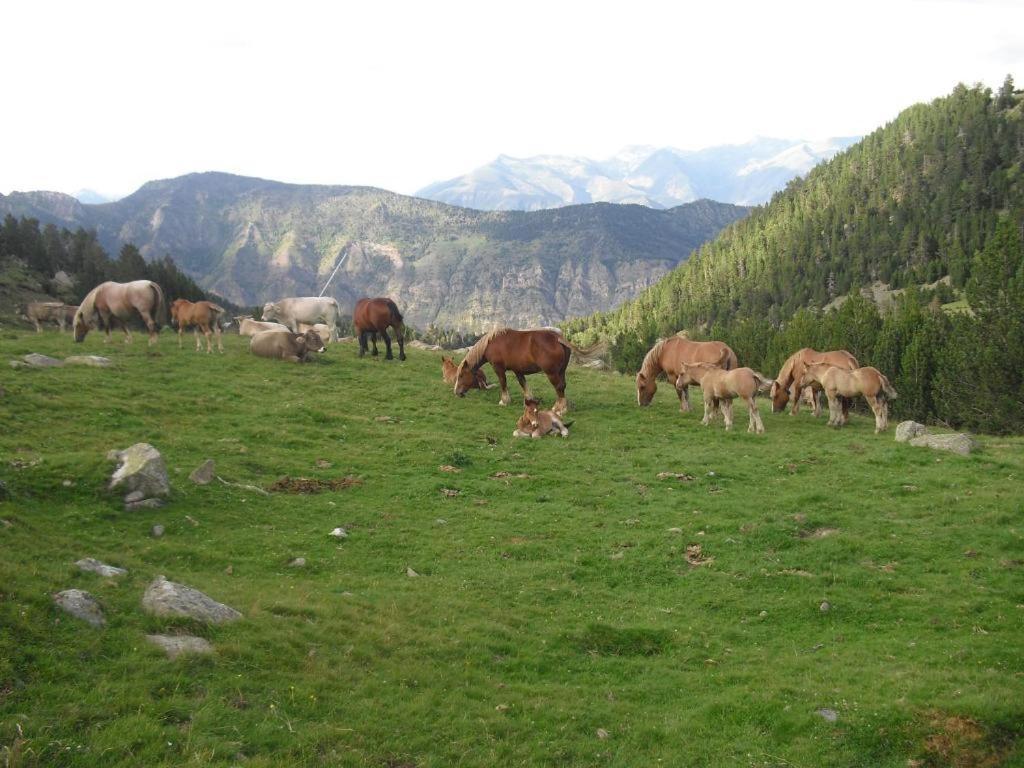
(156,531)
(298,562)
(825,607)
(828,714)
(339,533)
(602,733)
(410,572)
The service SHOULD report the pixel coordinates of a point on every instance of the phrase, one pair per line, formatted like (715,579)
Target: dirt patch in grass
(603,640)
(288,484)
(818,533)
(962,742)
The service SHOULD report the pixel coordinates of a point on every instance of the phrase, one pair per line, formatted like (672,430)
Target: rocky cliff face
(252,240)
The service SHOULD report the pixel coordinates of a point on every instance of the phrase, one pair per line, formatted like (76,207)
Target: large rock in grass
(907,430)
(141,469)
(92,565)
(42,361)
(81,605)
(179,645)
(93,361)
(954,442)
(166,598)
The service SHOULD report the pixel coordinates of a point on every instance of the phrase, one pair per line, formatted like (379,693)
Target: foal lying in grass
(537,423)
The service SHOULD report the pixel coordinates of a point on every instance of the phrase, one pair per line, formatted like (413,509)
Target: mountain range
(253,240)
(743,174)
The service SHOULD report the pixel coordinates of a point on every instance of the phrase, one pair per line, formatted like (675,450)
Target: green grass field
(556,620)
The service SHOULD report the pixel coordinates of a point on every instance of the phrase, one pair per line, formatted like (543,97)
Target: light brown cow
(322,330)
(56,311)
(285,345)
(249,327)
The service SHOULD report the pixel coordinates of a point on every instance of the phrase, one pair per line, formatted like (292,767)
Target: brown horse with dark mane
(373,316)
(523,353)
(109,302)
(201,316)
(668,355)
(786,388)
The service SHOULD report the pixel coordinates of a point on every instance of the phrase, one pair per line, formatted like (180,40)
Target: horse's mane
(651,367)
(88,306)
(475,355)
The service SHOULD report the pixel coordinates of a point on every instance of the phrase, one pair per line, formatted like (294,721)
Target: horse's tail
(888,389)
(763,382)
(594,351)
(160,308)
(396,317)
(730,361)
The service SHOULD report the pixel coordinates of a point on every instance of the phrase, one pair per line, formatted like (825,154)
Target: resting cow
(249,327)
(285,345)
(322,330)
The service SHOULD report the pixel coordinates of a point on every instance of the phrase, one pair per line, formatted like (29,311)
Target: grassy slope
(548,607)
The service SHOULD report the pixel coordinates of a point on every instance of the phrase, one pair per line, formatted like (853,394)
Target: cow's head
(313,342)
(270,311)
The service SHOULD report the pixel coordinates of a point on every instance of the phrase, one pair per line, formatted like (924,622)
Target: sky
(109,95)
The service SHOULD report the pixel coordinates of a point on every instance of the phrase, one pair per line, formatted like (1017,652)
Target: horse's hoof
(402,357)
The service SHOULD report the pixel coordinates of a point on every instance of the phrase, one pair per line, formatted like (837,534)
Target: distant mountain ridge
(253,240)
(742,174)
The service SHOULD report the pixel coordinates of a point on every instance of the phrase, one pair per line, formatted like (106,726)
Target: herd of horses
(710,365)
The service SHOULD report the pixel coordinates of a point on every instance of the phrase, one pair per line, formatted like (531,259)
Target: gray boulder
(135,506)
(81,605)
(141,469)
(178,645)
(92,565)
(166,598)
(907,430)
(204,473)
(93,361)
(42,361)
(954,442)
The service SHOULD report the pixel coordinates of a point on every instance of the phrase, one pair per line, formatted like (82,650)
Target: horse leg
(709,412)
(181,332)
(362,343)
(727,412)
(220,344)
(387,342)
(558,382)
(876,409)
(208,334)
(400,338)
(522,383)
(373,339)
(845,403)
(794,398)
(39,328)
(500,373)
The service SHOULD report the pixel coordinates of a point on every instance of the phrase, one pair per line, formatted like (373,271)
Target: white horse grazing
(305,309)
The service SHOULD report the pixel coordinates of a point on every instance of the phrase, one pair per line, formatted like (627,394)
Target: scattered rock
(135,506)
(509,476)
(501,708)
(339,533)
(602,733)
(92,565)
(448,468)
(229,570)
(166,598)
(179,645)
(694,556)
(156,531)
(825,607)
(953,442)
(410,572)
(682,477)
(910,488)
(323,464)
(386,419)
(441,521)
(42,361)
(417,344)
(450,492)
(906,430)
(675,530)
(16,364)
(818,533)
(970,553)
(141,469)
(298,562)
(93,361)
(827,714)
(204,473)
(134,496)
(192,521)
(81,605)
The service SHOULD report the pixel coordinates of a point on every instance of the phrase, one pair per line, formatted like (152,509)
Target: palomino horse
(111,301)
(373,316)
(523,353)
(449,371)
(669,354)
(786,389)
(720,386)
(202,316)
(841,384)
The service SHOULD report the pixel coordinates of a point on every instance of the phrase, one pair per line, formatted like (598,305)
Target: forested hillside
(939,191)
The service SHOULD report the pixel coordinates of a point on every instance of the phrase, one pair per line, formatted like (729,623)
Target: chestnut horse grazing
(840,384)
(523,353)
(373,316)
(449,371)
(203,316)
(720,386)
(668,355)
(111,301)
(786,387)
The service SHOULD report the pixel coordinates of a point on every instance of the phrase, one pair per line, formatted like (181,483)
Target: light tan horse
(841,384)
(668,355)
(786,389)
(111,301)
(56,311)
(719,387)
(201,316)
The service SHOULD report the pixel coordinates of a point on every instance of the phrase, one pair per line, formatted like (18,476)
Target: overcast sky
(109,95)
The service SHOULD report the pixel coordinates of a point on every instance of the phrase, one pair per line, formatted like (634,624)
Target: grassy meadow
(558,618)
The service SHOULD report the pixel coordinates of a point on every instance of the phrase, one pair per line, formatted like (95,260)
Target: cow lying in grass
(285,345)
(537,423)
(249,327)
